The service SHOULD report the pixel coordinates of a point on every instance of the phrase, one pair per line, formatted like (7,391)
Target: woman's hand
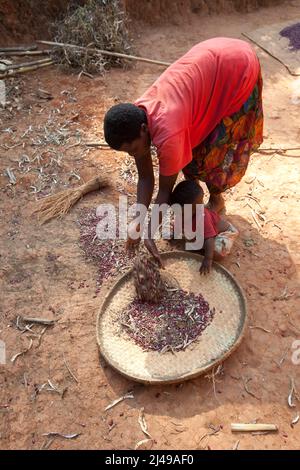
(133,241)
(151,247)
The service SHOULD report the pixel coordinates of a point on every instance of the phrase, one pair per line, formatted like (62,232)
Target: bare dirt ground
(44,274)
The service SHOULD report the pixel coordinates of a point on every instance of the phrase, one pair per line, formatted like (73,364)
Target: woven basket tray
(215,344)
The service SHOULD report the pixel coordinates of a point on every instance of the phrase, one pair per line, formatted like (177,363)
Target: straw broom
(59,204)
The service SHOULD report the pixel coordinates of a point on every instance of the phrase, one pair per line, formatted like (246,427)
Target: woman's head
(126,129)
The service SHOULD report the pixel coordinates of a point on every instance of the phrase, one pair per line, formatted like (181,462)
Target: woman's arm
(145,188)
(166,184)
(145,183)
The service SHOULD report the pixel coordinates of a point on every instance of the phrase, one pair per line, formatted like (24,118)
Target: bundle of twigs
(97,23)
(59,204)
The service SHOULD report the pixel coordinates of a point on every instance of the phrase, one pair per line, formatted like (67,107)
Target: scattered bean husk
(143,424)
(291,394)
(22,352)
(110,256)
(58,434)
(118,400)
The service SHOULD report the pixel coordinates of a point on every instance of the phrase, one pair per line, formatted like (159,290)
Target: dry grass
(99,23)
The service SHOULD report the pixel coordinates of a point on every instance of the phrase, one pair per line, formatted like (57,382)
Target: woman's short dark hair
(122,124)
(185,192)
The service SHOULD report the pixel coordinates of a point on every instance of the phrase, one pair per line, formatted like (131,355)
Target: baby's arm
(209,248)
(223,225)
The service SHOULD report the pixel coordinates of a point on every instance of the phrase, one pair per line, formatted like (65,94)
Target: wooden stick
(102,52)
(95,144)
(268,52)
(22,53)
(278,148)
(28,64)
(91,144)
(41,321)
(240,427)
(31,47)
(12,73)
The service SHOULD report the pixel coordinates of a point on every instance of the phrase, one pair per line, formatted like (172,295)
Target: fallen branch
(27,64)
(41,321)
(268,52)
(31,47)
(24,53)
(283,149)
(102,52)
(12,73)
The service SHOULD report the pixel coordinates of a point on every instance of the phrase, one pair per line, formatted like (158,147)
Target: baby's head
(187,192)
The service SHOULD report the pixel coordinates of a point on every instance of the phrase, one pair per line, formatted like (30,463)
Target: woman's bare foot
(216,203)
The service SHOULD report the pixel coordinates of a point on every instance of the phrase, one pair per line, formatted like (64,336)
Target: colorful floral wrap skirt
(222,158)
